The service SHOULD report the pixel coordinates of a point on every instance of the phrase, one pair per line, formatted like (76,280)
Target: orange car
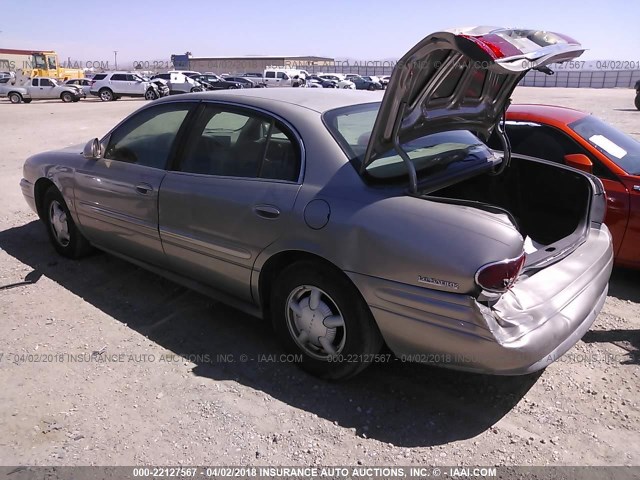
(585,142)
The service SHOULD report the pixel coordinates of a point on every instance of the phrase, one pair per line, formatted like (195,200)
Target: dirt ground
(102,363)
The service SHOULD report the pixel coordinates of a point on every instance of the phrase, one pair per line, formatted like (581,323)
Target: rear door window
(241,143)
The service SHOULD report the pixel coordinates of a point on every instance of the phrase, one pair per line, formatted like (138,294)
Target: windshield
(39,62)
(431,154)
(620,148)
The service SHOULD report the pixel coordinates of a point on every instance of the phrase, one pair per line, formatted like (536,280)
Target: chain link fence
(582,79)
(561,78)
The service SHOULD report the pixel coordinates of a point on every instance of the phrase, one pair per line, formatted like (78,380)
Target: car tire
(354,335)
(106,95)
(637,102)
(371,87)
(63,233)
(150,94)
(66,97)
(15,97)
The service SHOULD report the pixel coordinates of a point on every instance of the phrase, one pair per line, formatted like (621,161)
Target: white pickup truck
(40,88)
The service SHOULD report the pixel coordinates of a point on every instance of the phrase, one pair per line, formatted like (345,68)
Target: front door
(117,195)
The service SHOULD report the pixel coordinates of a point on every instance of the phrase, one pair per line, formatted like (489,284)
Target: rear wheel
(320,314)
(66,97)
(106,95)
(63,233)
(371,87)
(15,97)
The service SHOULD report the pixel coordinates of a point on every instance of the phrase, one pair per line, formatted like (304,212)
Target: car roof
(555,113)
(319,100)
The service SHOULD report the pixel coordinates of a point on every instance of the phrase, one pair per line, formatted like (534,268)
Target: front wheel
(66,97)
(320,314)
(63,233)
(638,101)
(150,94)
(15,97)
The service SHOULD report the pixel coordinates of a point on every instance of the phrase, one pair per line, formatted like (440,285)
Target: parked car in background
(82,83)
(179,82)
(637,101)
(245,82)
(384,80)
(341,81)
(40,88)
(579,140)
(316,81)
(213,81)
(282,77)
(161,84)
(373,78)
(251,75)
(450,252)
(362,83)
(114,85)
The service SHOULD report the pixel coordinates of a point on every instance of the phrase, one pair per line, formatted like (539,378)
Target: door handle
(144,188)
(267,211)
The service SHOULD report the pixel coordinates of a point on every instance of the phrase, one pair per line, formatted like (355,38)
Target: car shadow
(399,403)
(628,340)
(624,284)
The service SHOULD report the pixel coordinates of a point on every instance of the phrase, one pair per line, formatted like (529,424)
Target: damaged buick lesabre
(350,219)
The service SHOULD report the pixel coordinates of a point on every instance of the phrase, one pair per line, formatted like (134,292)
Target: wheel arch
(39,189)
(281,260)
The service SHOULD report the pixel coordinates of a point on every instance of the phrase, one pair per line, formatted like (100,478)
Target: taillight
(495,45)
(500,276)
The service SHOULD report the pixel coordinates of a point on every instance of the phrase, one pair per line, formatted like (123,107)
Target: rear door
(230,196)
(117,195)
(119,84)
(270,78)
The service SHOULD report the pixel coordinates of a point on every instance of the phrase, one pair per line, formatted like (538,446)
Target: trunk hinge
(411,168)
(504,140)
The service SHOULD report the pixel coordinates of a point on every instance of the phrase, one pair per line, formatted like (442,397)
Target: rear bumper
(531,326)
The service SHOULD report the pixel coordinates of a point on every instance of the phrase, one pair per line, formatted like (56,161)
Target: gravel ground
(102,363)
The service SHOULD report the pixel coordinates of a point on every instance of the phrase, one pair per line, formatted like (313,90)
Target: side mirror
(92,150)
(579,161)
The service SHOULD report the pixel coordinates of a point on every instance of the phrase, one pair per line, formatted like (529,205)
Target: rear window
(442,152)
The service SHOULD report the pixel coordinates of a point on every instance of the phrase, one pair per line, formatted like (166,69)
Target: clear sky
(362,30)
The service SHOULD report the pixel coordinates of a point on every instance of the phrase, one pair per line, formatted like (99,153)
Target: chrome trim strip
(121,219)
(200,246)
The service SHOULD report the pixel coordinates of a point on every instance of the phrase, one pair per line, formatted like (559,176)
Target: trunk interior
(547,203)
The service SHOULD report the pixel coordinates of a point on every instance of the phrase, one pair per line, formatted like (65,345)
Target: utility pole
(115,56)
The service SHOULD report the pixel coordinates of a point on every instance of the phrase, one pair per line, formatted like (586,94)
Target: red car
(585,142)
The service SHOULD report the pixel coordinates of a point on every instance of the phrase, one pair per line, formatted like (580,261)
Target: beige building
(248,64)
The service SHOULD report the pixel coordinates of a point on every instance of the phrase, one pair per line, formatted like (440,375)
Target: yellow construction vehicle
(36,64)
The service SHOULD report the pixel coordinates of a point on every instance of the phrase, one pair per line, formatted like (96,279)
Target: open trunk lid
(459,80)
